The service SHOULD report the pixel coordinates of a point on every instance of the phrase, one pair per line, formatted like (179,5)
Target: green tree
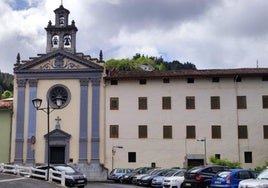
(224,162)
(7,94)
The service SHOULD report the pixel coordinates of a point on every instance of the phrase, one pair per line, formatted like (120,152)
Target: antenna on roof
(257,63)
(61,2)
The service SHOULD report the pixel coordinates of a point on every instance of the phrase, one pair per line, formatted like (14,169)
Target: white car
(174,181)
(260,182)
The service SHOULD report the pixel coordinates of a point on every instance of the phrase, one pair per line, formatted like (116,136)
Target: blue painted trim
(20,121)
(95,138)
(83,134)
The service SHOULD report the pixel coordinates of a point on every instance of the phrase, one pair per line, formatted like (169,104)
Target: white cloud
(210,34)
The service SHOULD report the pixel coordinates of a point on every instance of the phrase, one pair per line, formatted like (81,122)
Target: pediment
(58,133)
(59,60)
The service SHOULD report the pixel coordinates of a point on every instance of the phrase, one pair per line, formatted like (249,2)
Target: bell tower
(61,35)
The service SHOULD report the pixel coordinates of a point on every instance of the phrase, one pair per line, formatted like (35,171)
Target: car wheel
(81,186)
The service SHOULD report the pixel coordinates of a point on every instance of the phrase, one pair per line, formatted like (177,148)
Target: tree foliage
(137,60)
(224,162)
(261,168)
(6,84)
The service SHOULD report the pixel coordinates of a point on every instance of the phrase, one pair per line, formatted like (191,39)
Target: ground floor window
(248,157)
(131,157)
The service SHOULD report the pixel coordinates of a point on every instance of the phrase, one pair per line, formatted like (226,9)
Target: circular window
(59,91)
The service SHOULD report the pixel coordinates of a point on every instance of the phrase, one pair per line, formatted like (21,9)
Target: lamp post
(113,153)
(48,109)
(205,148)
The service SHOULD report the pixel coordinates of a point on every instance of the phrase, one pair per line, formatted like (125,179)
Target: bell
(67,43)
(55,42)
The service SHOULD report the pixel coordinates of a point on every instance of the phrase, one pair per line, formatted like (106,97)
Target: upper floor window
(142,81)
(242,132)
(167,131)
(165,80)
(265,131)
(143,131)
(216,131)
(190,132)
(114,103)
(190,102)
(114,82)
(215,79)
(190,80)
(55,41)
(142,103)
(166,103)
(215,102)
(114,131)
(265,101)
(241,102)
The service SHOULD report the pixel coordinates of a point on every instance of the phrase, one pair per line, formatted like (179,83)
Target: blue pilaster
(95,138)
(32,121)
(20,121)
(83,134)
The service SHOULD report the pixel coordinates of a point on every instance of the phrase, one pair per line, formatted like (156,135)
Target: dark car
(200,177)
(147,179)
(231,179)
(117,173)
(73,178)
(127,178)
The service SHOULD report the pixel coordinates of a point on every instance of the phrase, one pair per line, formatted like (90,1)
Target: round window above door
(59,91)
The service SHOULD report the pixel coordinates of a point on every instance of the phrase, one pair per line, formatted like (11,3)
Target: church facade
(76,127)
(112,119)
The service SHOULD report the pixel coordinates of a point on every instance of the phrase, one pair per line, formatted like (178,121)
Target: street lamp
(37,104)
(205,148)
(113,153)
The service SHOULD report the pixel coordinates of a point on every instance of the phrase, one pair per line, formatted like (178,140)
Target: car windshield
(194,170)
(223,174)
(66,169)
(263,175)
(171,173)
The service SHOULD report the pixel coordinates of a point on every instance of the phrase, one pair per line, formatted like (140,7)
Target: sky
(212,34)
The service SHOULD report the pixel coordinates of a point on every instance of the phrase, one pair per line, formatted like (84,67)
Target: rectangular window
(215,79)
(190,131)
(142,103)
(114,82)
(166,103)
(143,131)
(265,101)
(216,131)
(218,156)
(248,156)
(215,102)
(241,102)
(190,102)
(237,79)
(167,131)
(190,80)
(265,131)
(166,80)
(114,103)
(131,157)
(265,78)
(114,131)
(242,132)
(142,81)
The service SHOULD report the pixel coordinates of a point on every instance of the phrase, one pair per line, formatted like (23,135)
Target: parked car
(147,179)
(127,178)
(173,179)
(200,177)
(137,178)
(260,182)
(73,178)
(231,179)
(117,173)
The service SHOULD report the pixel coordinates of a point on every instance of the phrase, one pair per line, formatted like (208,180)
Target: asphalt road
(10,181)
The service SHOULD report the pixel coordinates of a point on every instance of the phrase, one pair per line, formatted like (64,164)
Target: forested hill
(6,82)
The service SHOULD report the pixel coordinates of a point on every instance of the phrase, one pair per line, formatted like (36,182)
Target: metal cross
(58,122)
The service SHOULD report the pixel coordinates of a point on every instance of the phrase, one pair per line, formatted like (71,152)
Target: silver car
(260,182)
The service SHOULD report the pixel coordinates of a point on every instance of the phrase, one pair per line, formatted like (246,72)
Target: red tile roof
(6,104)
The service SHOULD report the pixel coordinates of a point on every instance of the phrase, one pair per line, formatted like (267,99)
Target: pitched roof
(122,75)
(6,104)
